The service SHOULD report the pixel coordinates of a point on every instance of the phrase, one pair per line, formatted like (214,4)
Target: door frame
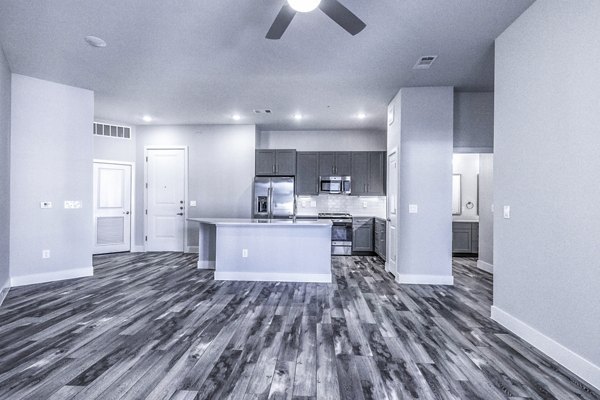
(132,213)
(185,192)
(387,211)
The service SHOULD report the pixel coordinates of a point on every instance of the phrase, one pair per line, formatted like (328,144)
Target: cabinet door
(360,173)
(343,164)
(285,162)
(264,162)
(474,237)
(326,164)
(376,171)
(307,174)
(461,237)
(362,234)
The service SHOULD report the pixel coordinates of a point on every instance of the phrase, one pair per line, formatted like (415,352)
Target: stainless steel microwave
(335,184)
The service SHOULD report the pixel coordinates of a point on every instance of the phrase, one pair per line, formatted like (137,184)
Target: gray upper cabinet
(368,173)
(335,163)
(362,234)
(275,162)
(307,175)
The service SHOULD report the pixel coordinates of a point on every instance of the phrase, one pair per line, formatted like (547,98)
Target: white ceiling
(199,62)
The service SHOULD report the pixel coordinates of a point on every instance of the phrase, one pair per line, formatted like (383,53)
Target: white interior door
(112,208)
(392,214)
(165,199)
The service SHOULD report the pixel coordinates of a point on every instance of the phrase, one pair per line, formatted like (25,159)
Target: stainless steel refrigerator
(273,197)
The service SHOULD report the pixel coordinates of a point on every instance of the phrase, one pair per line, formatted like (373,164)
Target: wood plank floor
(151,326)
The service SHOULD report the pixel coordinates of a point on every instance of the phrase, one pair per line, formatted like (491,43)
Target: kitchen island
(265,250)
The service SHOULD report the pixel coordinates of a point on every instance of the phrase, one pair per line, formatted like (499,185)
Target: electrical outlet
(46,204)
(413,208)
(364,204)
(506,212)
(245,253)
(304,203)
(72,204)
(192,203)
(45,253)
(313,204)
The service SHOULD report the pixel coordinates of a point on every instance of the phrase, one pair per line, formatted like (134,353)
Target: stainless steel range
(341,233)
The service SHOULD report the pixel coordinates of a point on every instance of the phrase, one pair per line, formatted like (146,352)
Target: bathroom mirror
(456,194)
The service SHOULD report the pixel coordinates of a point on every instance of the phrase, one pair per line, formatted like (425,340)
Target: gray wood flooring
(151,326)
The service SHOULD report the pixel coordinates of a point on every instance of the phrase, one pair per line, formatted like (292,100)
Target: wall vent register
(115,131)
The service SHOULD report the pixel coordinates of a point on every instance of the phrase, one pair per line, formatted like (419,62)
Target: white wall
(474,122)
(51,160)
(221,170)
(342,140)
(115,149)
(486,216)
(547,168)
(467,165)
(5,82)
(424,247)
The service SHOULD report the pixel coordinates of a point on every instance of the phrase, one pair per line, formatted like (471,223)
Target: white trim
(204,264)
(4,290)
(131,164)
(185,188)
(138,249)
(272,277)
(487,267)
(567,358)
(191,249)
(412,279)
(51,276)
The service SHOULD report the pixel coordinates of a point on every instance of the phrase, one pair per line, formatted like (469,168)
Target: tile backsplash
(355,205)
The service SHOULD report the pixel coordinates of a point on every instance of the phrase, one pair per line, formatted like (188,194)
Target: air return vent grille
(115,131)
(425,62)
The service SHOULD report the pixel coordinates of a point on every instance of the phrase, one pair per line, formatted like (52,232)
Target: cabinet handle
(365,188)
(273,168)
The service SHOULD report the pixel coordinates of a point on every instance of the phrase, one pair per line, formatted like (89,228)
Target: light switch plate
(72,204)
(364,204)
(413,208)
(45,253)
(244,253)
(507,212)
(192,203)
(492,208)
(46,204)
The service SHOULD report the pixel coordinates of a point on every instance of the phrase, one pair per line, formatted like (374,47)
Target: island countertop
(261,222)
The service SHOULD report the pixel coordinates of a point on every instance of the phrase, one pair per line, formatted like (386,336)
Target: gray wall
(474,122)
(425,238)
(4,171)
(342,140)
(51,160)
(547,168)
(221,170)
(486,216)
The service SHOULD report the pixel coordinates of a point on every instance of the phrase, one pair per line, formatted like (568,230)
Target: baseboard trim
(203,264)
(51,276)
(567,358)
(191,249)
(138,249)
(272,277)
(4,290)
(411,279)
(484,266)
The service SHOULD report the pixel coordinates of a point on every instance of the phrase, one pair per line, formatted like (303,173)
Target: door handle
(126,212)
(179,213)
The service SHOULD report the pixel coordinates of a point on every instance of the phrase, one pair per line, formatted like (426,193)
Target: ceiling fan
(332,8)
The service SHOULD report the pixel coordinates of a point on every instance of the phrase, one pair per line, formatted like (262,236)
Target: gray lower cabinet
(465,237)
(379,243)
(307,174)
(362,234)
(368,173)
(275,162)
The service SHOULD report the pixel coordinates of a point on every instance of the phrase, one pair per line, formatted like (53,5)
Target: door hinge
(146,185)
(146,238)
(146,212)
(146,158)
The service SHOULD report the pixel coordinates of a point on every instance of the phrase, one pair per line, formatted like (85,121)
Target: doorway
(391,264)
(112,207)
(165,199)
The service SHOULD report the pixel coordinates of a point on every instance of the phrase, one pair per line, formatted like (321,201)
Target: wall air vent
(425,62)
(262,111)
(115,131)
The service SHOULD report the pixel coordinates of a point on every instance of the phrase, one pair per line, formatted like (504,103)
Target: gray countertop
(265,222)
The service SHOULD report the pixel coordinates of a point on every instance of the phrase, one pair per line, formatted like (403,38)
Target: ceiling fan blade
(282,21)
(342,16)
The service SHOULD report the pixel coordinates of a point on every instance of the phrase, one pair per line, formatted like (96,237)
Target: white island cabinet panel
(266,250)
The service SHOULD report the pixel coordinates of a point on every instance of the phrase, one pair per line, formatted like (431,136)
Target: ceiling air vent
(115,131)
(425,62)
(262,111)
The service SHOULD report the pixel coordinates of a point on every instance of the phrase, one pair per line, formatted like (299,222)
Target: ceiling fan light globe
(304,5)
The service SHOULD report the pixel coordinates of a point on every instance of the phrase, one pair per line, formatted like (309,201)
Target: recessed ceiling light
(297,116)
(95,41)
(304,5)
(236,117)
(147,118)
(362,115)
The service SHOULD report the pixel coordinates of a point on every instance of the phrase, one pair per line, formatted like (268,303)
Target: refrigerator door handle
(270,203)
